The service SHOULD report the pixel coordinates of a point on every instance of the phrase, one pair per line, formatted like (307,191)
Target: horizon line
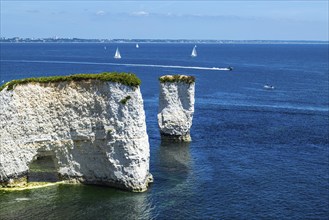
(143,39)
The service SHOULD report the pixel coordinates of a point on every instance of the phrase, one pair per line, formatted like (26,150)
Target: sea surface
(255,153)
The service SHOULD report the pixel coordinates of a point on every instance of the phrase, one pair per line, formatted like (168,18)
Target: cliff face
(176,107)
(94,130)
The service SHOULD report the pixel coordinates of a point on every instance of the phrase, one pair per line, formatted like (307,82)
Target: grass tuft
(177,78)
(128,79)
(125,100)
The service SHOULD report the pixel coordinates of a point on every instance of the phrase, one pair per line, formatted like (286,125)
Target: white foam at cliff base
(22,199)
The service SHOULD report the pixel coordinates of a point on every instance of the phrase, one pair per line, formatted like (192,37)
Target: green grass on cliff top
(128,79)
(177,78)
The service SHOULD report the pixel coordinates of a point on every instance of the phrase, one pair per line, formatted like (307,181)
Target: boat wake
(120,64)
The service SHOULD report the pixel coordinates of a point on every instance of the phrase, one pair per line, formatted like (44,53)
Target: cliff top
(128,79)
(177,78)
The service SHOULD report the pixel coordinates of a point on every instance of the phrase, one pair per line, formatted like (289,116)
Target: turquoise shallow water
(255,153)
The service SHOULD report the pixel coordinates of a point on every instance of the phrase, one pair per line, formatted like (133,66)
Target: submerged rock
(92,135)
(176,107)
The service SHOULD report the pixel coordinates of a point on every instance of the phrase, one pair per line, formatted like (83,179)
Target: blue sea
(255,153)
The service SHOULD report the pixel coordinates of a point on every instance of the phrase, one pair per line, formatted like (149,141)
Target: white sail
(117,54)
(137,46)
(194,53)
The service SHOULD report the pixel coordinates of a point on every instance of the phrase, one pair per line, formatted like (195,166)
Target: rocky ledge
(176,107)
(92,125)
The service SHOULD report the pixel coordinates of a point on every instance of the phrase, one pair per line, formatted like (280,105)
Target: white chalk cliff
(95,131)
(176,107)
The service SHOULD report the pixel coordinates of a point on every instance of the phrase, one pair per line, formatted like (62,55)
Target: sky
(218,20)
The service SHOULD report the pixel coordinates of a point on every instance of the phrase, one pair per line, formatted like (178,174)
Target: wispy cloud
(33,11)
(100,13)
(180,15)
(58,12)
(140,13)
(172,16)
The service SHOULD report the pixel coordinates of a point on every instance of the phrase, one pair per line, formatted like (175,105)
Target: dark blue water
(255,153)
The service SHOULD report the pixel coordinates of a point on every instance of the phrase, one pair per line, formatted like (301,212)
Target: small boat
(117,54)
(230,68)
(105,48)
(137,46)
(268,87)
(194,53)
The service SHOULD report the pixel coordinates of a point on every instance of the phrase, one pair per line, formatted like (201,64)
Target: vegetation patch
(128,79)
(177,78)
(125,100)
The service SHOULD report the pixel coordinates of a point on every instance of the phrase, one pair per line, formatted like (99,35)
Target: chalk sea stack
(176,107)
(92,125)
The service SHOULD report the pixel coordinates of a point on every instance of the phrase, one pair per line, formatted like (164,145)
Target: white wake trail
(121,64)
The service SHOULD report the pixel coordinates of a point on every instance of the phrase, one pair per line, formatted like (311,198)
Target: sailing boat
(117,54)
(194,53)
(268,87)
(137,46)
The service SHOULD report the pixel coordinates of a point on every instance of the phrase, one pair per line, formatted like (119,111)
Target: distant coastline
(81,40)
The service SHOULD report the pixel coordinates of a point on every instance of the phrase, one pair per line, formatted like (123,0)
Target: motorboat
(268,87)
